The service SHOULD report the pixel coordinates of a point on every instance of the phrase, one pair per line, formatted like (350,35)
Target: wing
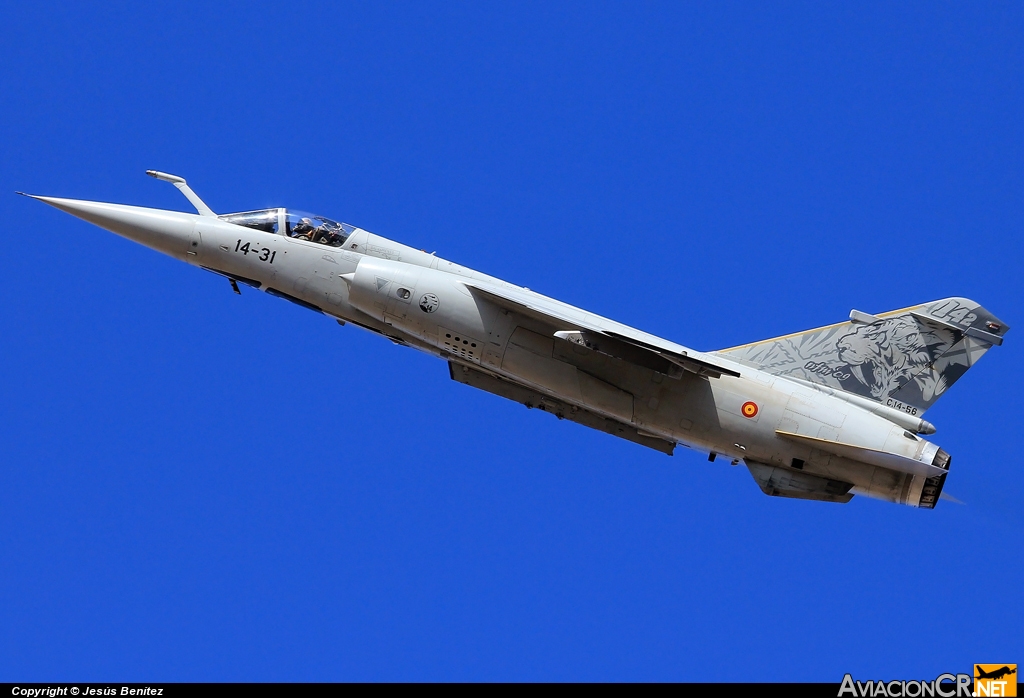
(783,482)
(610,360)
(531,398)
(603,336)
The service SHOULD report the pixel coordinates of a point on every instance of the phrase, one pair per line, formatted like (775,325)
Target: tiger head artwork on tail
(904,357)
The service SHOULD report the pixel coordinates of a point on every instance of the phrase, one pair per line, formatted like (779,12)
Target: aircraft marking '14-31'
(823,414)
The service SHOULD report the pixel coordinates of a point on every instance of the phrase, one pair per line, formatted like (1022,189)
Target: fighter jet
(818,415)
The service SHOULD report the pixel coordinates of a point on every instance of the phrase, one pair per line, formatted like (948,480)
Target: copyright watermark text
(54,691)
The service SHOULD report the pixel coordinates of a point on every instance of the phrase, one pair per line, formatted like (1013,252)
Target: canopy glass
(295,224)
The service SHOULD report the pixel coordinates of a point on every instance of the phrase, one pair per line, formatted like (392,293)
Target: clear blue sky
(201,486)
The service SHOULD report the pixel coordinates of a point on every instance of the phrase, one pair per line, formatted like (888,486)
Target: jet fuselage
(798,439)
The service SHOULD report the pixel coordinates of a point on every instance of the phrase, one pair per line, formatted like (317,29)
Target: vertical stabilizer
(904,359)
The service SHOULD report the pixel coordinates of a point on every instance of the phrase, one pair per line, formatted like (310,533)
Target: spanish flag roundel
(749,409)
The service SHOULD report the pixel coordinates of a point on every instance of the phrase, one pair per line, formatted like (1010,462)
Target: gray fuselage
(511,341)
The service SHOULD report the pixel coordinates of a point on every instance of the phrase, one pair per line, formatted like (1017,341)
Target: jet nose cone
(165,231)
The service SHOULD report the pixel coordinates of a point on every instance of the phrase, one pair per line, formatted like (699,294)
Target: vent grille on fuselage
(461,346)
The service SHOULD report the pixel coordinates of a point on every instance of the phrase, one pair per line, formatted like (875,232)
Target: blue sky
(201,486)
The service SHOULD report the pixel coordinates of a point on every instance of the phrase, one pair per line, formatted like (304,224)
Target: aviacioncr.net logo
(995,680)
(944,686)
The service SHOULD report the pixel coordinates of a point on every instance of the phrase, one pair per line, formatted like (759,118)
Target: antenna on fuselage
(180,183)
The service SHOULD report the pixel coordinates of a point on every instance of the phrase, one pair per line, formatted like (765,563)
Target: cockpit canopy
(294,224)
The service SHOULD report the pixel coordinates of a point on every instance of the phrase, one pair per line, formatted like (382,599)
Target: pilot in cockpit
(327,235)
(303,229)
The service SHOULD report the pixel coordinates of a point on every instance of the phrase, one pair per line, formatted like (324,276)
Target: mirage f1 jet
(822,414)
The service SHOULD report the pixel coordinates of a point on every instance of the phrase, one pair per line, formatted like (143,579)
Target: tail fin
(904,358)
